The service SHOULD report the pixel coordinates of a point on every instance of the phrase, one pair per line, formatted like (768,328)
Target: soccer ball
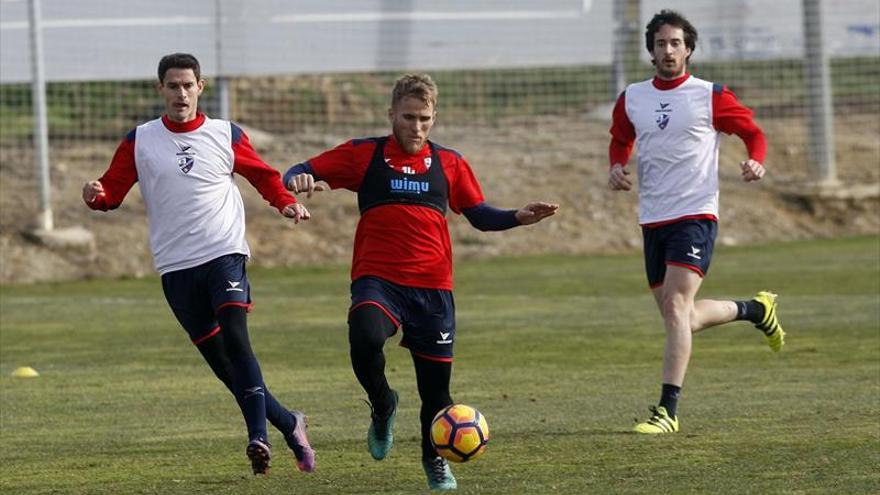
(459,433)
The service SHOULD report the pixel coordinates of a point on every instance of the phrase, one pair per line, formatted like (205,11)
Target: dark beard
(669,73)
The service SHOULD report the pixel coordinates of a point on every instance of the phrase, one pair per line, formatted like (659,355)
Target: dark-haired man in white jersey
(676,119)
(185,164)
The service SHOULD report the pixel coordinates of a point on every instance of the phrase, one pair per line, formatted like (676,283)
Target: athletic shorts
(688,244)
(196,294)
(427,316)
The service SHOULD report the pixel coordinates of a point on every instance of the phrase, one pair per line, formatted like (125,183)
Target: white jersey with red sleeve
(186,177)
(675,125)
(196,212)
(677,150)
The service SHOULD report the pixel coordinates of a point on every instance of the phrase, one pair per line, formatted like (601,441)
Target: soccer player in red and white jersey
(674,120)
(185,164)
(402,262)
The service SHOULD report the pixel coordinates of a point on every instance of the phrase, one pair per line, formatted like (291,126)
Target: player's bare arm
(297,212)
(305,183)
(535,212)
(617,178)
(91,191)
(752,170)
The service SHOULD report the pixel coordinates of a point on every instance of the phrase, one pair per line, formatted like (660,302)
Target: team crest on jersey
(185,158)
(428,163)
(663,118)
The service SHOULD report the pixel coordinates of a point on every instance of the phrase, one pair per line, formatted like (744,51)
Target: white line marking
(425,16)
(112,22)
(309,18)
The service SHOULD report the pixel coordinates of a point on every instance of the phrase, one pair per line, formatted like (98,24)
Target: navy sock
(214,352)
(247,379)
(669,398)
(751,310)
(278,415)
(249,387)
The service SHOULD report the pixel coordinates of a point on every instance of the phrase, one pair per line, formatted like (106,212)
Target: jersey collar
(664,85)
(185,126)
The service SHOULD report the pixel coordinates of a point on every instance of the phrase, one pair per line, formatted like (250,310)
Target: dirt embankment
(553,160)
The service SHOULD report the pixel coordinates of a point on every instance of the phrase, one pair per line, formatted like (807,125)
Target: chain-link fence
(763,65)
(310,66)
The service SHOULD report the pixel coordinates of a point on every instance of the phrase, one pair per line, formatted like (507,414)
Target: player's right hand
(752,170)
(91,191)
(617,178)
(304,183)
(297,212)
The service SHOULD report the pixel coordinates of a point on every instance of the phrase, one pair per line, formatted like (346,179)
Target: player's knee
(676,309)
(368,328)
(696,323)
(214,352)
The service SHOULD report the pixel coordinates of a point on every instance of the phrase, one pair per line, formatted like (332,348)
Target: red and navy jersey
(407,244)
(384,185)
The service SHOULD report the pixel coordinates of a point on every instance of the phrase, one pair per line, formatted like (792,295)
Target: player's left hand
(751,170)
(306,183)
(297,212)
(535,212)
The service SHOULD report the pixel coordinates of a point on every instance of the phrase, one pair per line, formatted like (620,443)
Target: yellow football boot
(770,324)
(659,422)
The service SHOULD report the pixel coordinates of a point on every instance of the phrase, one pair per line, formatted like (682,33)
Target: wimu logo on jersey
(185,158)
(409,186)
(663,118)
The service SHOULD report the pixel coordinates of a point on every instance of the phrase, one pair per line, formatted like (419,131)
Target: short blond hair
(420,86)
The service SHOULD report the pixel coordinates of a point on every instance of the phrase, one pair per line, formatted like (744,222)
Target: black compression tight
(233,325)
(433,380)
(369,328)
(232,340)
(233,344)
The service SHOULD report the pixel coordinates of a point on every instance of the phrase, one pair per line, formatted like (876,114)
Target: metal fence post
(819,106)
(618,71)
(222,80)
(41,131)
(625,55)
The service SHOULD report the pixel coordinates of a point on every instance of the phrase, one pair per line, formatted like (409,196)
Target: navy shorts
(196,294)
(427,316)
(687,243)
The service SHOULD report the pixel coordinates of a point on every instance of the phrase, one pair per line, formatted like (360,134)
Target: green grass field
(560,353)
